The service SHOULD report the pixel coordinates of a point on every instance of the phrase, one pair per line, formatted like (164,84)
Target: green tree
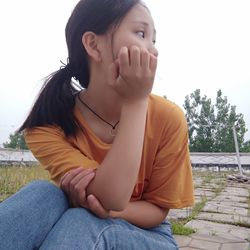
(246,146)
(210,126)
(16,141)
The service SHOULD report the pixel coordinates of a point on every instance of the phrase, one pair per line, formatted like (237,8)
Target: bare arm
(116,176)
(142,214)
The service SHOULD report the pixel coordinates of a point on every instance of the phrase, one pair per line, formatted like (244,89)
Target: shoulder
(44,133)
(165,113)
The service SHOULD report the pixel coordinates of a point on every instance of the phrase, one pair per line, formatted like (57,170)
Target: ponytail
(55,103)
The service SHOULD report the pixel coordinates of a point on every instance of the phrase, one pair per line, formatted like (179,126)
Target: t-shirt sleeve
(55,152)
(171,184)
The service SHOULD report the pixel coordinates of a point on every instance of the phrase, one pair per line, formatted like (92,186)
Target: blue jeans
(39,217)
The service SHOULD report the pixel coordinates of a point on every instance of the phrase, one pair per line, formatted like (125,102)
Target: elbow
(114,204)
(109,200)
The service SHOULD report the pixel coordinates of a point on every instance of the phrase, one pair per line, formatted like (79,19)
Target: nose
(153,50)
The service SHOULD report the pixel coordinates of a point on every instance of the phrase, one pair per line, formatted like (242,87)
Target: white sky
(202,44)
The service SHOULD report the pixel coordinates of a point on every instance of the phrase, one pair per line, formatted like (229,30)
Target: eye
(141,33)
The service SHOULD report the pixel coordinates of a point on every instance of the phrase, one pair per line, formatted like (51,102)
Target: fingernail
(91,197)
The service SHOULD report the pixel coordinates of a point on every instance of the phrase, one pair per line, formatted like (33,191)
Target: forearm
(116,176)
(142,214)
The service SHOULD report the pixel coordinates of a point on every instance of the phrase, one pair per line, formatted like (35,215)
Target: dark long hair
(55,103)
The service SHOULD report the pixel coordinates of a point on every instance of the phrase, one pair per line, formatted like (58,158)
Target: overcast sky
(202,44)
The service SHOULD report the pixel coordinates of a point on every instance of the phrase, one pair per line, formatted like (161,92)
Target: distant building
(16,157)
(198,160)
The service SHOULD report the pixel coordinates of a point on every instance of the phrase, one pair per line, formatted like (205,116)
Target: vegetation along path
(220,218)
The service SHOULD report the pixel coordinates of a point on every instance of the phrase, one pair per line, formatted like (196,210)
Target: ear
(90,42)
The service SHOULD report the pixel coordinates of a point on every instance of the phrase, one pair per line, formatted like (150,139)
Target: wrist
(140,103)
(112,214)
(115,214)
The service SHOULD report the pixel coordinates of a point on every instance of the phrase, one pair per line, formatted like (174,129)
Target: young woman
(118,154)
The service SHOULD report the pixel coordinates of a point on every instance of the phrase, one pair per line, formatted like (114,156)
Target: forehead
(139,13)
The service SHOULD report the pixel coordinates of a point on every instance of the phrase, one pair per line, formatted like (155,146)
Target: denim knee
(42,185)
(30,214)
(125,237)
(47,190)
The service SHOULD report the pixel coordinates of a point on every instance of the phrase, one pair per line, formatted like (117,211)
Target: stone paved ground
(224,222)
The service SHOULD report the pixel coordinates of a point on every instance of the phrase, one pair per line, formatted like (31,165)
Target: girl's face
(137,28)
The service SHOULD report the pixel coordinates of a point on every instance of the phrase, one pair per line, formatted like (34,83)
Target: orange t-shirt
(165,175)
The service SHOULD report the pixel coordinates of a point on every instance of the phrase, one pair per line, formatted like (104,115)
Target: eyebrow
(144,24)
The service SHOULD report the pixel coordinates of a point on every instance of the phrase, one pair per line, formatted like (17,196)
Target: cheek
(125,41)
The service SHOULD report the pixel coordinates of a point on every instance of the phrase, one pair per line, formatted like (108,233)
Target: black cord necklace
(113,130)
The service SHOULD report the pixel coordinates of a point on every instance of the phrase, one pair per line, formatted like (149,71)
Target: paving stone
(203,192)
(217,239)
(197,181)
(201,244)
(211,186)
(230,206)
(188,248)
(229,218)
(230,232)
(197,199)
(231,203)
(182,241)
(238,185)
(235,191)
(179,213)
(221,208)
(235,246)
(206,188)
(230,198)
(244,234)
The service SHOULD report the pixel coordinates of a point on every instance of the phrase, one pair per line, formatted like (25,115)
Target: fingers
(89,174)
(78,191)
(153,63)
(96,207)
(74,183)
(132,74)
(123,60)
(135,57)
(145,59)
(67,177)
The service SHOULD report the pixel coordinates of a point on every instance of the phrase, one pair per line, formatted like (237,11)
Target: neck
(105,103)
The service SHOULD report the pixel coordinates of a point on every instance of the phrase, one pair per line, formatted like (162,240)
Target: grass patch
(178,226)
(207,179)
(197,209)
(220,186)
(13,178)
(179,229)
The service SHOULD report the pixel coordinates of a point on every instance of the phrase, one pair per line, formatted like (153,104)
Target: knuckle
(82,200)
(134,49)
(123,52)
(71,184)
(76,189)
(144,52)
